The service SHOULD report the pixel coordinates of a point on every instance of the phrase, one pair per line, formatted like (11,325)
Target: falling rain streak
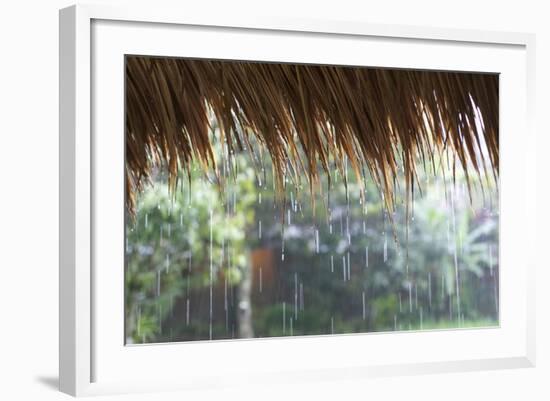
(317,241)
(364,305)
(261,279)
(455,258)
(260,229)
(284,318)
(211,273)
(344,270)
(385,249)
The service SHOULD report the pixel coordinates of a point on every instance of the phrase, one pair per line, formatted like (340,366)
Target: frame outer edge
(76,371)
(175,15)
(74,201)
(67,114)
(532,264)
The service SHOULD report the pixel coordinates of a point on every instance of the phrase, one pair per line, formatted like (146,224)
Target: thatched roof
(308,117)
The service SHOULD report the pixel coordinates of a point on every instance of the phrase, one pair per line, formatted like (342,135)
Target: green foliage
(174,240)
(409,281)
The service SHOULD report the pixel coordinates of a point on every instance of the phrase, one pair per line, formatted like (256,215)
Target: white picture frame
(93,358)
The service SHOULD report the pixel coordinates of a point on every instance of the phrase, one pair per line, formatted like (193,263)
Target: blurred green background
(234,261)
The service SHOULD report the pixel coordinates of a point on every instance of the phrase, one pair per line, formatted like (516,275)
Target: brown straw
(308,118)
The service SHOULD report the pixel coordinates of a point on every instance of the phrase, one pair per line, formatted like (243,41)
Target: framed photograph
(278,200)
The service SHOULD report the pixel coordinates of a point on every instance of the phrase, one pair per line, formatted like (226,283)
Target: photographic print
(278,199)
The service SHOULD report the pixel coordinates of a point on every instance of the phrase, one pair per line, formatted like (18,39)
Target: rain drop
(349,268)
(430,289)
(158,283)
(400,304)
(211,276)
(187,312)
(385,249)
(260,272)
(295,296)
(344,267)
(260,229)
(317,241)
(364,308)
(284,318)
(410,296)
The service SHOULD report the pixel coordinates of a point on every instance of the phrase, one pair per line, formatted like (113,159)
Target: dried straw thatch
(309,118)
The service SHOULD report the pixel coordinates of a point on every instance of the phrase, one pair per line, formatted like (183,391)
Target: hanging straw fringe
(308,118)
